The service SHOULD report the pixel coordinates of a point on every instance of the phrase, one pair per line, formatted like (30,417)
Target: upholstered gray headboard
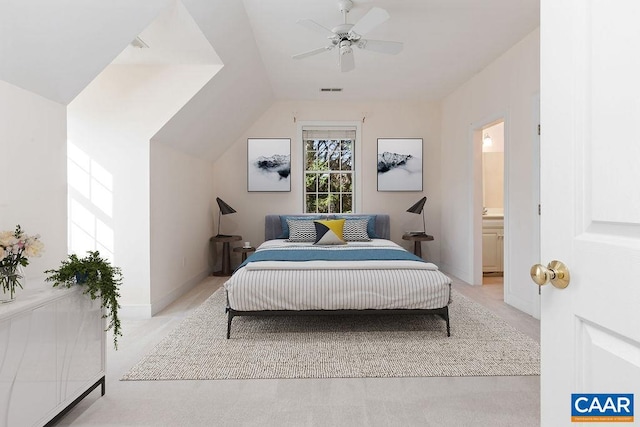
(273,225)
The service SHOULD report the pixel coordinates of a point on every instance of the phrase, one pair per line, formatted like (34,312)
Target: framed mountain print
(269,164)
(399,164)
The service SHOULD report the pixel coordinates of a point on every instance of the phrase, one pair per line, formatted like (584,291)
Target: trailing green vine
(100,278)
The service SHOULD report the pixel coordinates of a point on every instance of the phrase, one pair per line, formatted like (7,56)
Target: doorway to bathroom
(493,206)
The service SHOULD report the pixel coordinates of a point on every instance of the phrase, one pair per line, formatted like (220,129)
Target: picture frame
(268,164)
(399,164)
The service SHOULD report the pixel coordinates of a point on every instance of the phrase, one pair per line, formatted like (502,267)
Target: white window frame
(357,156)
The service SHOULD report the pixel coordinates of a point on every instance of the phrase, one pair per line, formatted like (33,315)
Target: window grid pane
(328,175)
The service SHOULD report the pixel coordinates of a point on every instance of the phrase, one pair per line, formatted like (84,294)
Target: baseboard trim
(135,311)
(162,303)
(519,303)
(459,274)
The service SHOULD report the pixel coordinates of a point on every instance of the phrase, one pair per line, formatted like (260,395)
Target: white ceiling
(56,49)
(445,43)
(173,38)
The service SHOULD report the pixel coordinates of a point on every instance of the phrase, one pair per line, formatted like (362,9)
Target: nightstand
(226,253)
(244,251)
(417,239)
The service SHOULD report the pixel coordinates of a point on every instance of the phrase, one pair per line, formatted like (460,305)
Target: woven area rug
(344,346)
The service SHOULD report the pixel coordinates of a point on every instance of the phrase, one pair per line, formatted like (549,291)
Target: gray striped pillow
(301,230)
(355,230)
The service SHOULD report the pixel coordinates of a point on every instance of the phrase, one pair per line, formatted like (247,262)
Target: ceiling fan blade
(347,62)
(368,22)
(314,26)
(312,52)
(380,46)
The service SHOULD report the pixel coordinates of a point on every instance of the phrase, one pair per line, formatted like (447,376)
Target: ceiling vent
(331,89)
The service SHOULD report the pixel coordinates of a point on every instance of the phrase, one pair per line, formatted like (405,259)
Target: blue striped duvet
(331,254)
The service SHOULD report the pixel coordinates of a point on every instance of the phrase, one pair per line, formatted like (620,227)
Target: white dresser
(52,354)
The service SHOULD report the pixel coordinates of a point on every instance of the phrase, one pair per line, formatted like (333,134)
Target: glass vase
(11,278)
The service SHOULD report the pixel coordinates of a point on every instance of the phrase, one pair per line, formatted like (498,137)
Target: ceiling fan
(346,35)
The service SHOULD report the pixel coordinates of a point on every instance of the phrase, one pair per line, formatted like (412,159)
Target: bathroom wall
(493,169)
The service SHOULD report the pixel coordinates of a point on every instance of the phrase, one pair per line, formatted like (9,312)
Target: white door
(590,192)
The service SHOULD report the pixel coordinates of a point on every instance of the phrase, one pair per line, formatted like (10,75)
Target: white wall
(34,174)
(181,222)
(382,120)
(505,89)
(493,169)
(113,120)
(493,181)
(101,125)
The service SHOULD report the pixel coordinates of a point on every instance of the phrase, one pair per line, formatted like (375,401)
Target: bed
(364,276)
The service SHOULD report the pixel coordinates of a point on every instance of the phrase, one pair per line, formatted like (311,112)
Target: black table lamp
(418,208)
(225,209)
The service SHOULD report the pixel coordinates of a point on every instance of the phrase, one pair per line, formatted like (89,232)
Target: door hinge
(539,210)
(538,130)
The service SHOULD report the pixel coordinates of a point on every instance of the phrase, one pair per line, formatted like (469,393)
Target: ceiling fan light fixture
(345,47)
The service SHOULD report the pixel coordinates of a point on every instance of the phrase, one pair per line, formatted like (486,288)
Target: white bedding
(337,285)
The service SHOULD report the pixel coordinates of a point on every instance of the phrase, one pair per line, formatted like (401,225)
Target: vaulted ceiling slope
(236,96)
(55,49)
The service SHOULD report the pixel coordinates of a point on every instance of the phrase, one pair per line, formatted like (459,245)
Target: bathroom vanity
(493,242)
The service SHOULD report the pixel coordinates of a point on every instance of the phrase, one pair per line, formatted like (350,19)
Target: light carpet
(342,346)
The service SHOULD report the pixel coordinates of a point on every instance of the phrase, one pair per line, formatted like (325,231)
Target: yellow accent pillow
(329,232)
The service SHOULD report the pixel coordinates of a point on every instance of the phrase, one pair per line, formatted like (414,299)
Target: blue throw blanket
(360,254)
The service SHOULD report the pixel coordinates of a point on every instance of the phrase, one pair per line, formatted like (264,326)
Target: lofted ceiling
(55,49)
(445,43)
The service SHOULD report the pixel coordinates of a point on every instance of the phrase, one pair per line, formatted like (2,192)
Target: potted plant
(100,278)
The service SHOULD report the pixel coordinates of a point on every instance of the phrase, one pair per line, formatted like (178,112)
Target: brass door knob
(556,272)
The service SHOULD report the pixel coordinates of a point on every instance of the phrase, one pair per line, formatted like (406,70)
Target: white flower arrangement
(16,248)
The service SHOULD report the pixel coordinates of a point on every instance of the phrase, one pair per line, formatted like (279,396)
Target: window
(329,169)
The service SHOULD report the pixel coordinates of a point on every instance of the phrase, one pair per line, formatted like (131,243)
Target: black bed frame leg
(445,315)
(229,319)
